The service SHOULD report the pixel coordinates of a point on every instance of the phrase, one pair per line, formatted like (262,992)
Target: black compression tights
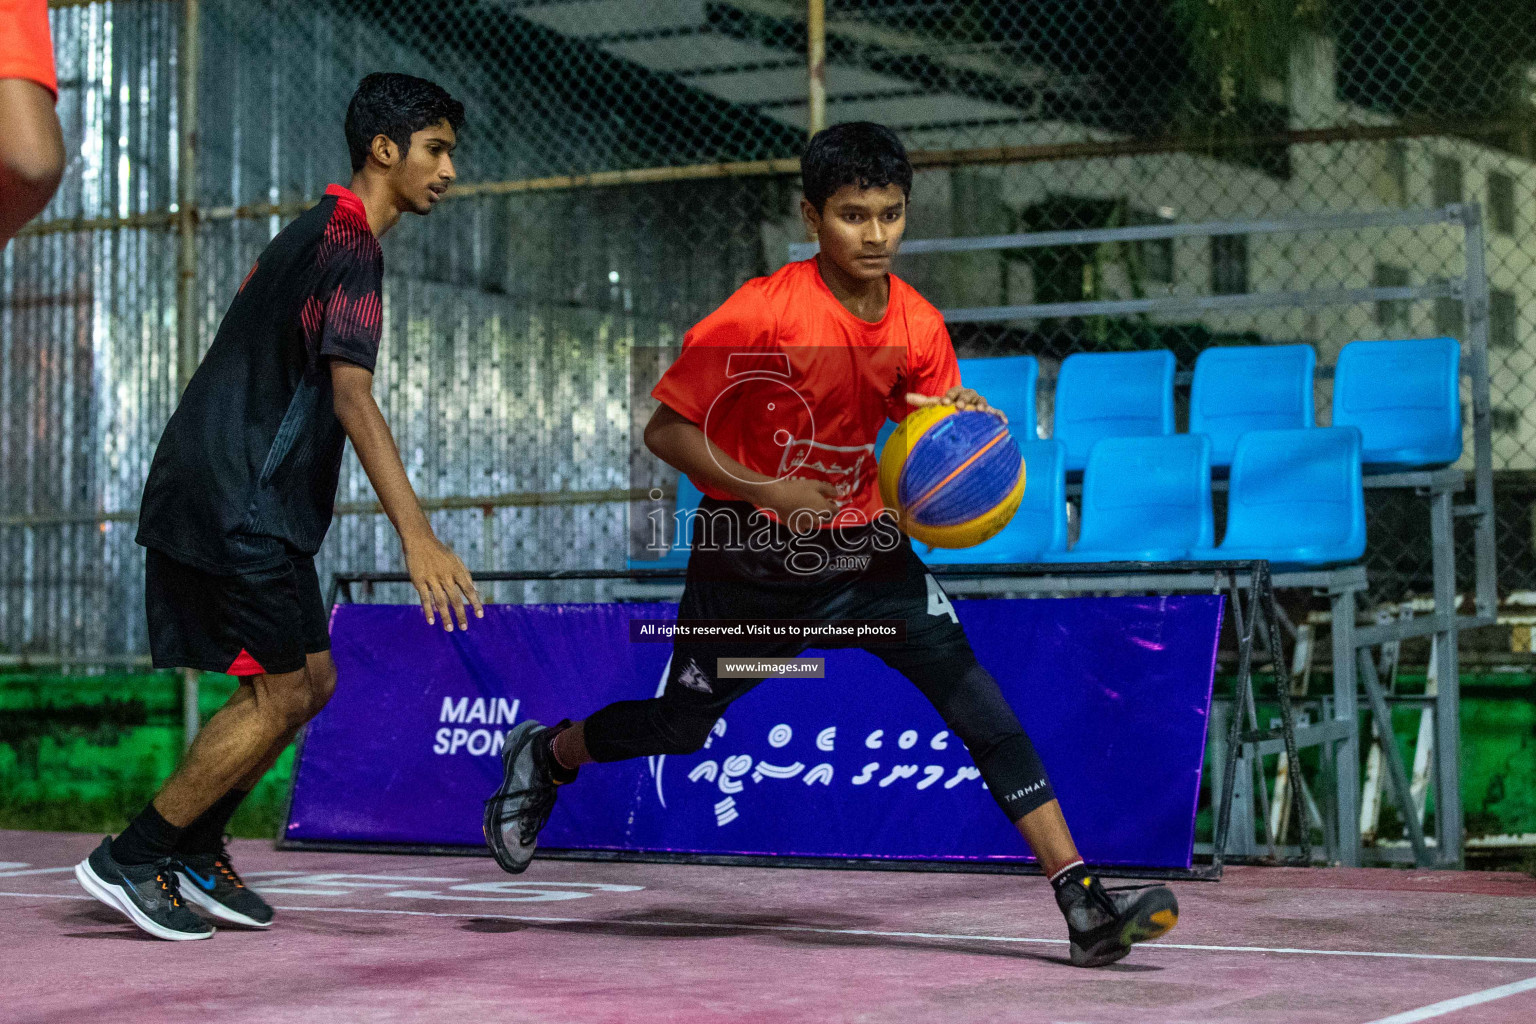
(965,695)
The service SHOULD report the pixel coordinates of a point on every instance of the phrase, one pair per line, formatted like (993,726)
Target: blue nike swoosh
(207,883)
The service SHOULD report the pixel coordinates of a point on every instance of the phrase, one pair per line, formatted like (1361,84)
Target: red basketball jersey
(789,383)
(26,48)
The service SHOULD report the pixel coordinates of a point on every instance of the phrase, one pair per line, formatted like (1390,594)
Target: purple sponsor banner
(1114,692)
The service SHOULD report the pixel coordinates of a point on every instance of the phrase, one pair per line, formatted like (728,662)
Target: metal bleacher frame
(1338,731)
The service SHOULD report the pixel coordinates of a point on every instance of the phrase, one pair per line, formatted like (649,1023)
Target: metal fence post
(191,718)
(1475,312)
(1448,809)
(186,198)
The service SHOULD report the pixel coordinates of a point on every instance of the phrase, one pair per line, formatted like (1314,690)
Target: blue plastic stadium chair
(1253,387)
(1295,498)
(1008,384)
(1403,397)
(688,498)
(1146,499)
(1112,394)
(1037,531)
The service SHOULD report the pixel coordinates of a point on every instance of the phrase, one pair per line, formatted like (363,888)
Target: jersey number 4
(938,601)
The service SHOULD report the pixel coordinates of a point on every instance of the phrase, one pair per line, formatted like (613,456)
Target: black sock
(1072,875)
(148,838)
(206,834)
(557,771)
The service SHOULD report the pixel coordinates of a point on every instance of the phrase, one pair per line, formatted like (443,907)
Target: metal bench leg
(1346,760)
(1266,593)
(1396,777)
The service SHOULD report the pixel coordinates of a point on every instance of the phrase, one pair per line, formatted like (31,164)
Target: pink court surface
(363,938)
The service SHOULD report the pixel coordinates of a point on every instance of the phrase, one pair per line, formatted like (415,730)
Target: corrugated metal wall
(86,363)
(506,363)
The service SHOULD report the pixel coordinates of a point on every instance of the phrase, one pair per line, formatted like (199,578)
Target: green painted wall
(86,753)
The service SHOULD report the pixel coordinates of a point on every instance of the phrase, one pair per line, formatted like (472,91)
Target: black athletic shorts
(842,578)
(858,574)
(243,624)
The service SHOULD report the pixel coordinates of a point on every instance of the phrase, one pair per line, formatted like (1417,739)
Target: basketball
(953,477)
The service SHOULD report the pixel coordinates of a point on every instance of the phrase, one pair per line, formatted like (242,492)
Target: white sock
(1075,864)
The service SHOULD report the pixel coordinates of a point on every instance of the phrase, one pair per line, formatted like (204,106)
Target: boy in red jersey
(31,143)
(240,496)
(772,409)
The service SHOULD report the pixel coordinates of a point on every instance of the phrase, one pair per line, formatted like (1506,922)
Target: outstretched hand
(442,582)
(960,397)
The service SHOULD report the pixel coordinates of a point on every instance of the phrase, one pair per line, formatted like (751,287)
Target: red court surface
(365,938)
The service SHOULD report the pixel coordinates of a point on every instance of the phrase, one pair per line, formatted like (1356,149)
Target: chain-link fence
(628,163)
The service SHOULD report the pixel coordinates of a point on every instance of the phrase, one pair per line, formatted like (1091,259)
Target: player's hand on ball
(442,582)
(801,505)
(959,397)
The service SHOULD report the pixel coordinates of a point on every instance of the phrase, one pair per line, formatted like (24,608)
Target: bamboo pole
(457,502)
(638,176)
(922,159)
(186,198)
(816,66)
(186,276)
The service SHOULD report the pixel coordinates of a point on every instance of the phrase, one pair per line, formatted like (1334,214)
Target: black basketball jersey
(246,471)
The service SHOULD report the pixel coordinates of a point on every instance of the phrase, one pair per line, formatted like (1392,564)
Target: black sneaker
(146,894)
(209,881)
(1102,923)
(517,811)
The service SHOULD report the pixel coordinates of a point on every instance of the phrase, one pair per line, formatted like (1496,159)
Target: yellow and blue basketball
(953,477)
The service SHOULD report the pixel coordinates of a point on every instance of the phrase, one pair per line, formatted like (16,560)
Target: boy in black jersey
(240,495)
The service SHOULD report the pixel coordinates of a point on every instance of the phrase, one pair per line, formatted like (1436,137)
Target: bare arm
(439,577)
(681,443)
(31,153)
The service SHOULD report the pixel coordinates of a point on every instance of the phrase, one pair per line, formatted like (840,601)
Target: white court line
(914,935)
(1440,1009)
(48,895)
(35,871)
(1342,952)
(809,929)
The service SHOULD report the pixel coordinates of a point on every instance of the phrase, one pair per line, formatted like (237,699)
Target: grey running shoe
(1102,923)
(146,894)
(517,811)
(209,881)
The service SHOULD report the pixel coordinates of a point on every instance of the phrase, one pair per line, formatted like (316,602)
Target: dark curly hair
(859,153)
(397,106)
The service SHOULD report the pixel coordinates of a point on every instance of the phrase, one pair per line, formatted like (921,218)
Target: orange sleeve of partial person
(26,47)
